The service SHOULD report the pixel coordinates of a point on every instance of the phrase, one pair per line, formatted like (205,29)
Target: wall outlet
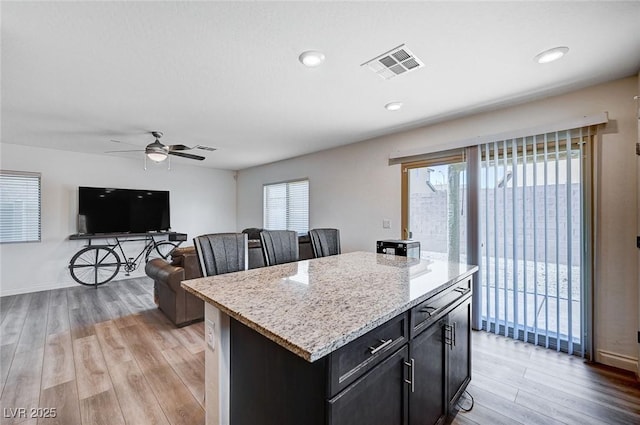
(210,334)
(386,223)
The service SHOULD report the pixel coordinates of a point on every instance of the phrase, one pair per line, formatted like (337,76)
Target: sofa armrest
(163,272)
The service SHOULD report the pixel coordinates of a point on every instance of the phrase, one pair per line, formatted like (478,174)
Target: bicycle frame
(97,264)
(130,263)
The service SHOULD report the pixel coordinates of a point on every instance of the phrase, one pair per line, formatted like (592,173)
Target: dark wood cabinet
(426,401)
(458,350)
(441,359)
(410,370)
(377,398)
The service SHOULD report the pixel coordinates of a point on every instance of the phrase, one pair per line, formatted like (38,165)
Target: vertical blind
(286,206)
(19,207)
(534,232)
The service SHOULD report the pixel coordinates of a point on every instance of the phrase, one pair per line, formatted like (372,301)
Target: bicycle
(96,265)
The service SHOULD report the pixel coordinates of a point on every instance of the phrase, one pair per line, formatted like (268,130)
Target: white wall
(353,188)
(203,200)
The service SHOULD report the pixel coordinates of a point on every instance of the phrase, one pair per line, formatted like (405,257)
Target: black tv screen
(107,210)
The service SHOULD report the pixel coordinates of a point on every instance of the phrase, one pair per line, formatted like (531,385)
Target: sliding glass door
(519,209)
(532,238)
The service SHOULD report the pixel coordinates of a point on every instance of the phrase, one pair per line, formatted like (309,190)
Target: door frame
(451,157)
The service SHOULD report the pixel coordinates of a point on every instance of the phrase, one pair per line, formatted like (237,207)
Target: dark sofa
(179,305)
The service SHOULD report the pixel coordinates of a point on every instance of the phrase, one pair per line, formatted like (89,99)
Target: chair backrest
(220,253)
(325,242)
(279,246)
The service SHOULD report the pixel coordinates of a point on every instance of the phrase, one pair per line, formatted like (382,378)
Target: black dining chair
(325,242)
(220,253)
(279,246)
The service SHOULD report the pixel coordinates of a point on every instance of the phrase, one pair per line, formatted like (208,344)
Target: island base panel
(271,385)
(217,366)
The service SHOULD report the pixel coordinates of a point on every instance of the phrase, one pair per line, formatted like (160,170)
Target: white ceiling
(75,75)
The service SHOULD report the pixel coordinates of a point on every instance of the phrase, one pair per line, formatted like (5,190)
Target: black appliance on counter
(399,247)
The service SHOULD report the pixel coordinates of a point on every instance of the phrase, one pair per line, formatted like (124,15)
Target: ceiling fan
(158,152)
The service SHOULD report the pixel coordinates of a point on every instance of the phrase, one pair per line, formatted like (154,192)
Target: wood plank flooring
(517,383)
(109,356)
(99,356)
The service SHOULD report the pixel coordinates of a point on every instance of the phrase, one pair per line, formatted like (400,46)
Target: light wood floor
(105,356)
(518,383)
(108,356)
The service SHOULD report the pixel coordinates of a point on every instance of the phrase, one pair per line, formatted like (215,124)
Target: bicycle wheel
(94,265)
(160,250)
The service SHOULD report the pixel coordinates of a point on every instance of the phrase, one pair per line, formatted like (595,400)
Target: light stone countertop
(313,307)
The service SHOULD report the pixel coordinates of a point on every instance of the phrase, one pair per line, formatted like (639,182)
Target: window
(19,207)
(286,206)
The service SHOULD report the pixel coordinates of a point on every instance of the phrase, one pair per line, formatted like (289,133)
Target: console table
(357,338)
(96,265)
(172,236)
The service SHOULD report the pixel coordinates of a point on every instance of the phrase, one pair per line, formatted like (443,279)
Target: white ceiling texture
(226,74)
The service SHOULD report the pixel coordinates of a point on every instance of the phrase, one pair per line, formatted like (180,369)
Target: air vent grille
(394,62)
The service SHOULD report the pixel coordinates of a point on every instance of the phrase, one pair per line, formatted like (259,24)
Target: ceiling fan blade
(179,148)
(205,148)
(135,150)
(122,143)
(186,155)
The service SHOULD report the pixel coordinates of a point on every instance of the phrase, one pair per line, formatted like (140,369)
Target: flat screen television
(107,210)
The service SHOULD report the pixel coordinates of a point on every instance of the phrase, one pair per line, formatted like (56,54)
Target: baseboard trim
(617,360)
(50,286)
(36,288)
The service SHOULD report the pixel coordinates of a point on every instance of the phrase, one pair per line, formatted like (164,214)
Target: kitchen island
(357,338)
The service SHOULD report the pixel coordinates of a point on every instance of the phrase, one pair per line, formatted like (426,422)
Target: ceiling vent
(395,62)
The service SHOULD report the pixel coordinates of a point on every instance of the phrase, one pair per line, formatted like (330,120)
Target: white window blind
(19,206)
(532,216)
(286,206)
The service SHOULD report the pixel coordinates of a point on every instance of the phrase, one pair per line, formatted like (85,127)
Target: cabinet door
(458,336)
(378,398)
(426,401)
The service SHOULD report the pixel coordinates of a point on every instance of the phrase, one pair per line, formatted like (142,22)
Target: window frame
(285,182)
(33,176)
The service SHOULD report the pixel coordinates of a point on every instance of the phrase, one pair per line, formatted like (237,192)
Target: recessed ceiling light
(311,58)
(393,106)
(551,54)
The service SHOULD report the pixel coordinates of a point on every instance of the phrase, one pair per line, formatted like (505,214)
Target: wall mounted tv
(107,210)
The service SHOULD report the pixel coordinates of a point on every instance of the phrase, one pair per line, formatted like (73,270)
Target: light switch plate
(210,334)
(386,223)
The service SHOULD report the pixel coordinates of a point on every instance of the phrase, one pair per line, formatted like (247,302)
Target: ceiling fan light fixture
(156,152)
(551,54)
(157,156)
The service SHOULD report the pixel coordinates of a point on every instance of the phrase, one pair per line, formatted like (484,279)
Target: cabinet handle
(454,335)
(385,344)
(428,309)
(448,336)
(412,368)
(463,290)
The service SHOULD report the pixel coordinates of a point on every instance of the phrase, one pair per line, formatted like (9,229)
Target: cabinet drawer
(354,359)
(432,309)
(377,398)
